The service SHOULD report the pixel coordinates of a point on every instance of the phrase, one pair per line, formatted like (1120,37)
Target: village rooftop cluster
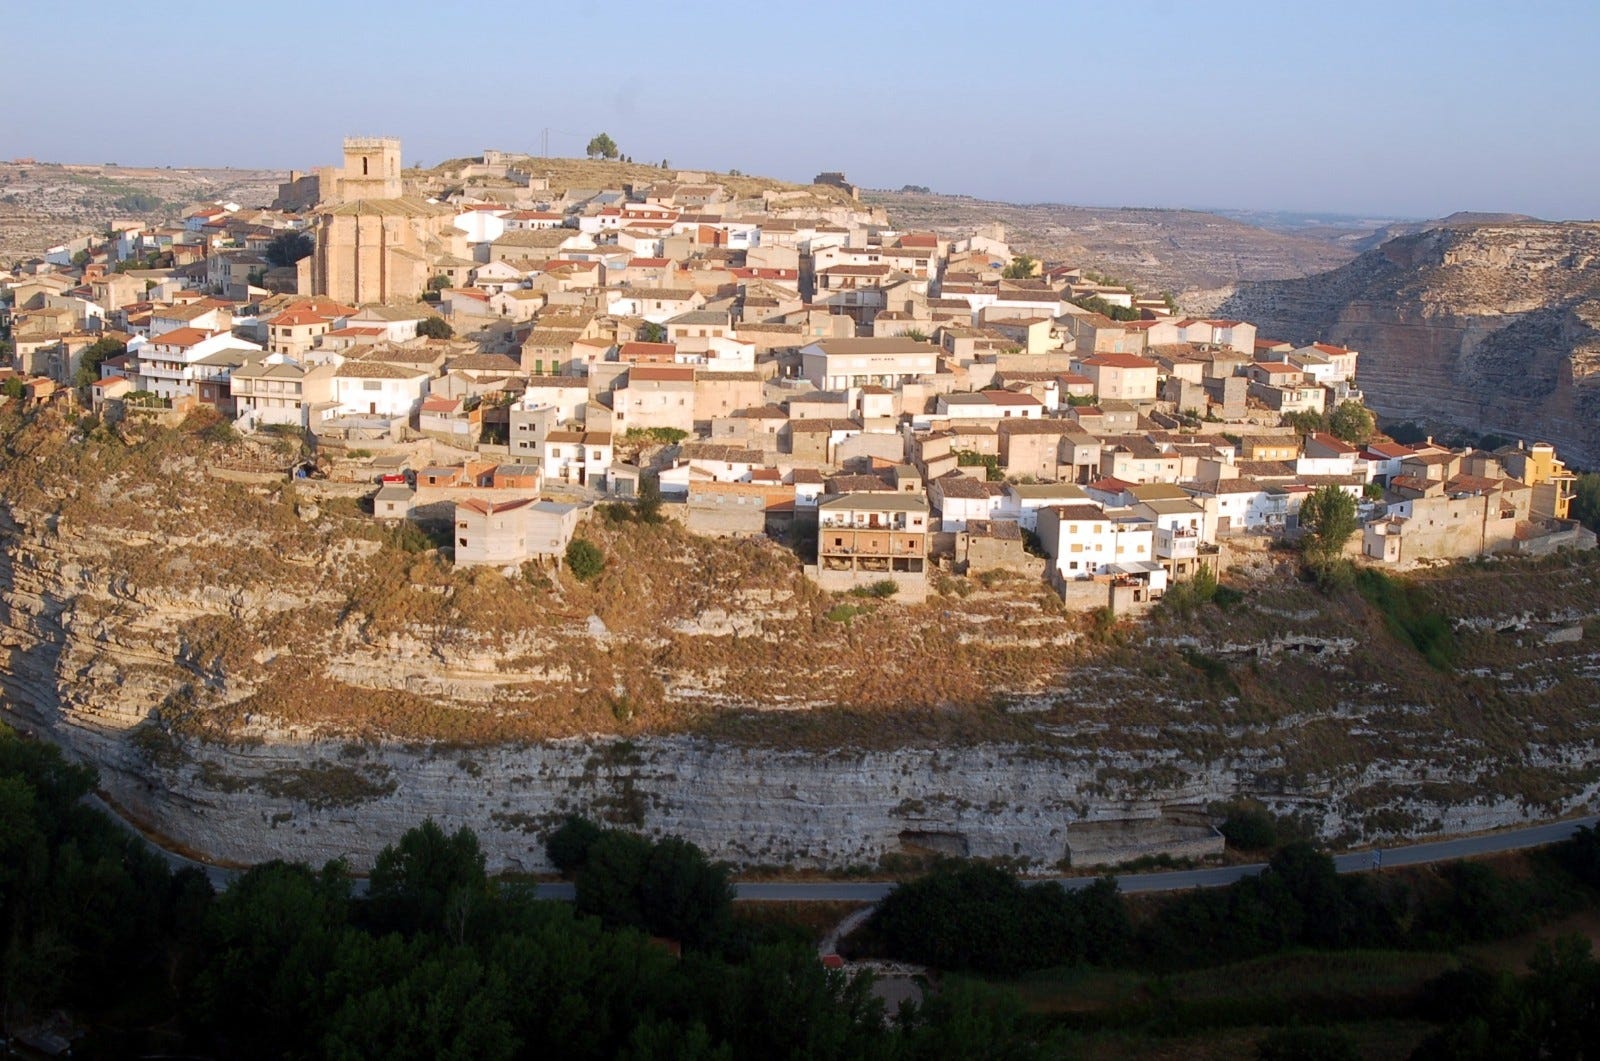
(496,355)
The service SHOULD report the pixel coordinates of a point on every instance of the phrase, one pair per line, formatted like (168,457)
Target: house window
(463,542)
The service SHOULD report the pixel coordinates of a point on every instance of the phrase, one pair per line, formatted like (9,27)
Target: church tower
(371,168)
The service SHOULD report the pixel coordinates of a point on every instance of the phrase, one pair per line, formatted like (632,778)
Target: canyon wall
(1485,328)
(106,662)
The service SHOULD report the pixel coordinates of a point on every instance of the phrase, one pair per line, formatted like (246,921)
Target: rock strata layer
(1483,328)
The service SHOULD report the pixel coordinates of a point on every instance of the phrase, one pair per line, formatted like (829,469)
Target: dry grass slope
(243,621)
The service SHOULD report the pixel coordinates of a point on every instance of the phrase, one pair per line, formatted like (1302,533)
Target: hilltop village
(495,355)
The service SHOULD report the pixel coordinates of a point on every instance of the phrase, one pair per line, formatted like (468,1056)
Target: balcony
(1177,543)
(871,544)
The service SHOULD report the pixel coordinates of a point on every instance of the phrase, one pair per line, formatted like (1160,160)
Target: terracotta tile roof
(1003,397)
(297,317)
(1338,445)
(1119,361)
(639,351)
(375,370)
(955,484)
(822,425)
(183,338)
(489,508)
(661,373)
(1082,513)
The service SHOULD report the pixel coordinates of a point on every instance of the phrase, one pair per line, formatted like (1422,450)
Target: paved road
(1176,880)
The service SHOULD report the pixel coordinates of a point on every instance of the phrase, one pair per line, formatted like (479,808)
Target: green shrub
(1214,669)
(967,458)
(1580,856)
(1406,614)
(568,845)
(666,436)
(1249,829)
(585,559)
(887,587)
(647,509)
(972,916)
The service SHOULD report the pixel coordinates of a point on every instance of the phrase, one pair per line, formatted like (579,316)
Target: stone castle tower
(371,169)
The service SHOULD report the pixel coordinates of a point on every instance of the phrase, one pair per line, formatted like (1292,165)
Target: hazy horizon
(1364,111)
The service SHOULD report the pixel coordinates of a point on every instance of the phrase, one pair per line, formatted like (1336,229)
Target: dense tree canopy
(1327,519)
(1352,422)
(438,963)
(1096,304)
(100,351)
(982,918)
(286,248)
(1586,501)
(602,146)
(1021,268)
(435,328)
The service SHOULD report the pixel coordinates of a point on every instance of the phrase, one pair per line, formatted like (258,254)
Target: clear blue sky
(1404,107)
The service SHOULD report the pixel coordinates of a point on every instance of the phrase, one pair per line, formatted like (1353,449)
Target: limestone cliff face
(1486,328)
(107,666)
(255,680)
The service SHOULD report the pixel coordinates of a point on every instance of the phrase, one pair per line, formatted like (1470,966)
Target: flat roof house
(837,364)
(865,538)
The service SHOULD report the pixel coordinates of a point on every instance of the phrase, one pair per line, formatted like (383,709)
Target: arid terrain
(317,674)
(42,203)
(1467,327)
(1196,256)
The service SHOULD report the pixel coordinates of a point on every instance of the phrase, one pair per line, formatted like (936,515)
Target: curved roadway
(1174,880)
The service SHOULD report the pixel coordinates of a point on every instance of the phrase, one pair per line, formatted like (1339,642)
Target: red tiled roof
(488,508)
(642,351)
(296,317)
(664,373)
(1083,512)
(1338,445)
(1119,361)
(183,337)
(999,397)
